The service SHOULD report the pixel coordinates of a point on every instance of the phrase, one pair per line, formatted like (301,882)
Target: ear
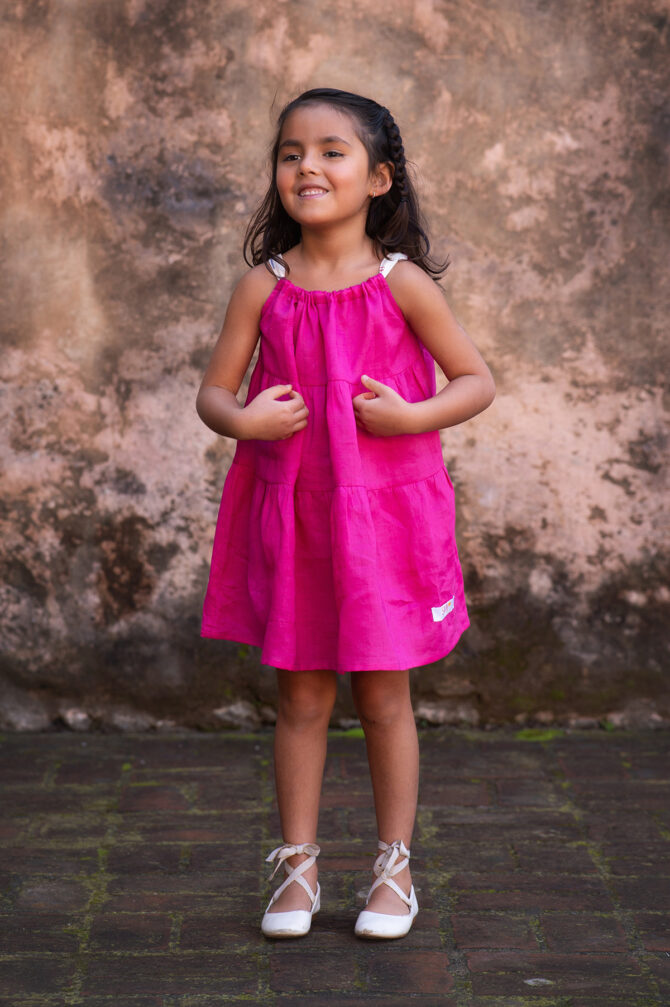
(382,178)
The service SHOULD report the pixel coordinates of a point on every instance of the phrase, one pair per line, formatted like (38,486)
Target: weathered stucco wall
(133,140)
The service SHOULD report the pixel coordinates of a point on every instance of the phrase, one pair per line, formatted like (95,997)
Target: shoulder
(254,288)
(411,286)
(256,282)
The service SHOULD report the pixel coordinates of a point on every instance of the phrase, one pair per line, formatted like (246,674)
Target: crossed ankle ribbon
(386,866)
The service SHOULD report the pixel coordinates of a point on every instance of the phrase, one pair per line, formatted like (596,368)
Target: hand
(381,411)
(268,419)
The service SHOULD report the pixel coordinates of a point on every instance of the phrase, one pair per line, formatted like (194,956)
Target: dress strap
(277,268)
(389,262)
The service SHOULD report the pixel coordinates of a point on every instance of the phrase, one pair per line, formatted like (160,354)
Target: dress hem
(213,633)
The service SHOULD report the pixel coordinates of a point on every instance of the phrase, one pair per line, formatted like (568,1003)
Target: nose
(307,163)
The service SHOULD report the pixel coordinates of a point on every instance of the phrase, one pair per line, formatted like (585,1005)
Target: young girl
(334,550)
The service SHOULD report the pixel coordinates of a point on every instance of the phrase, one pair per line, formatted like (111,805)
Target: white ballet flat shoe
(296,923)
(383,926)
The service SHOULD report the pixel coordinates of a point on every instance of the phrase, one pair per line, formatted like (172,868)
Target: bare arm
(266,417)
(471,387)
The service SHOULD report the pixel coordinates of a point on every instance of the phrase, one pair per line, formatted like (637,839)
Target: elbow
(490,390)
(200,405)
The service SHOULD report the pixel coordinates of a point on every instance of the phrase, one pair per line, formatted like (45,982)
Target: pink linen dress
(335,549)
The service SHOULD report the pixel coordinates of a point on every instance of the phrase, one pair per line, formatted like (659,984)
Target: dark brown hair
(394,220)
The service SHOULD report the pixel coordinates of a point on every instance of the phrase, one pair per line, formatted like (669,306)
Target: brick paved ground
(132,874)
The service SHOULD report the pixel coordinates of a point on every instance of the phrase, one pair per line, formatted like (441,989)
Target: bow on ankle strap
(386,865)
(287,850)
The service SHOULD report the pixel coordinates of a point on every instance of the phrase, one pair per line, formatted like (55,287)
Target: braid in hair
(397,151)
(394,220)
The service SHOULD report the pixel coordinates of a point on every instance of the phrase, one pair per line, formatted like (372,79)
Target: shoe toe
(294,924)
(381,926)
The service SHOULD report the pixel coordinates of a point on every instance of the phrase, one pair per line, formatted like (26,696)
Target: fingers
(300,413)
(276,391)
(298,422)
(298,409)
(298,401)
(358,400)
(376,386)
(360,403)
(296,405)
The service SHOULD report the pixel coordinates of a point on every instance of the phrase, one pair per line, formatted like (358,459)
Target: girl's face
(323,175)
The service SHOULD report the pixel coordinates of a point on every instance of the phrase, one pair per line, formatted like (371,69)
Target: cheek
(284,186)
(284,171)
(283,190)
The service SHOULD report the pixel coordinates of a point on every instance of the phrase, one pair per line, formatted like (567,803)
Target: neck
(332,248)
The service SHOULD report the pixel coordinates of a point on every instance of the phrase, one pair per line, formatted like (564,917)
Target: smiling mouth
(309,193)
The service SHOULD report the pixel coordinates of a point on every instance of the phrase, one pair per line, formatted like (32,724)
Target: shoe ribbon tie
(294,874)
(285,851)
(386,865)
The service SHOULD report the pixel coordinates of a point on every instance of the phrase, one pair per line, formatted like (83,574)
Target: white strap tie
(386,866)
(389,261)
(277,268)
(281,855)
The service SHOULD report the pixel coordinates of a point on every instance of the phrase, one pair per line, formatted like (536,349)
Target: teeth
(311,192)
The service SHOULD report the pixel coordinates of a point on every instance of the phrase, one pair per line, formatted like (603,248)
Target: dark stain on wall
(124,582)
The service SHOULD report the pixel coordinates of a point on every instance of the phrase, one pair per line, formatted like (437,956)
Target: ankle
(297,859)
(403,879)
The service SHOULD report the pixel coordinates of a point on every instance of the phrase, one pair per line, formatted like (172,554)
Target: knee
(381,707)
(305,704)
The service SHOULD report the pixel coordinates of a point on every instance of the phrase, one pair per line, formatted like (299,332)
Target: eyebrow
(323,140)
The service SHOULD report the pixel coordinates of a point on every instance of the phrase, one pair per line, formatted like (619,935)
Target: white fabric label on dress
(441,611)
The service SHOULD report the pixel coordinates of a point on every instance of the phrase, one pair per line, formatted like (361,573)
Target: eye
(334,153)
(290,157)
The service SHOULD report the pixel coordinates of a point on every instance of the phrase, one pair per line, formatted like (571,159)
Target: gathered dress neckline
(356,290)
(338,290)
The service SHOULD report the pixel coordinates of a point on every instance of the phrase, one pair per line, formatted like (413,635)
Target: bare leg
(306,700)
(383,703)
